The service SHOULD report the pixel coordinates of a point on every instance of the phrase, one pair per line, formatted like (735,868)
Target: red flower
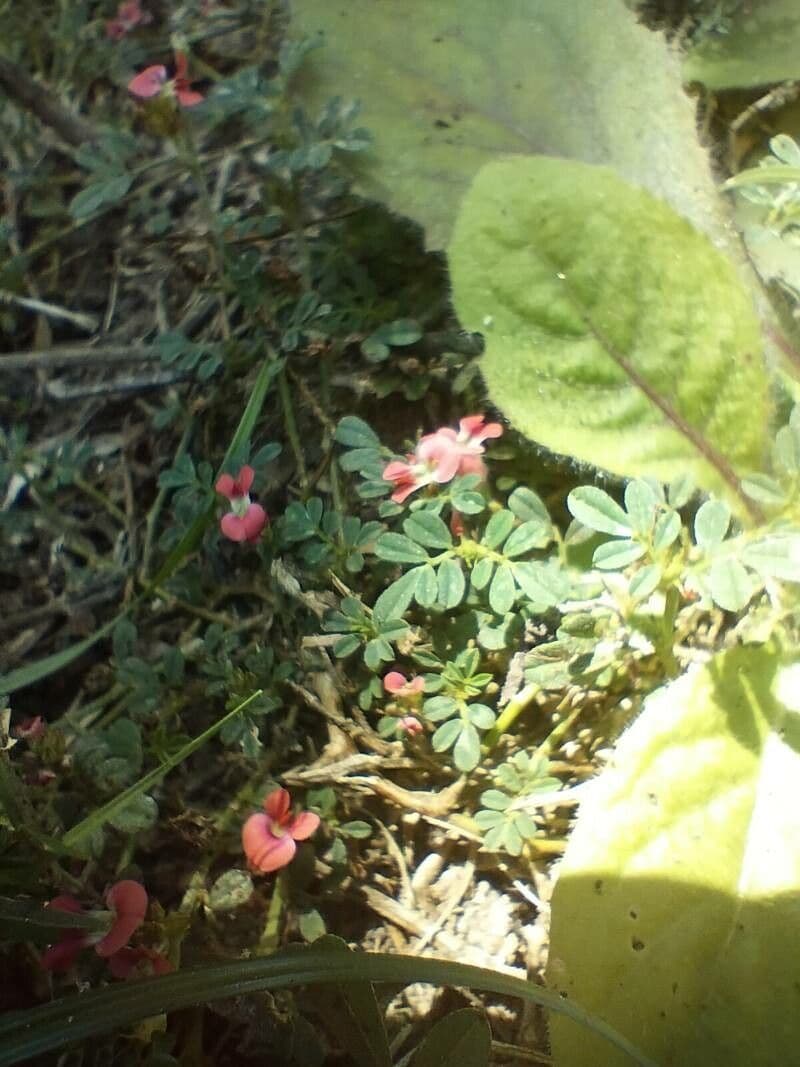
(399,686)
(245,520)
(129,16)
(152,80)
(442,455)
(128,903)
(269,840)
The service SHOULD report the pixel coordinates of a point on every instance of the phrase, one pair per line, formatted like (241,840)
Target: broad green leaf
(497,529)
(667,530)
(67,1020)
(528,505)
(531,534)
(451,583)
(482,572)
(353,432)
(428,529)
(711,524)
(764,490)
(445,736)
(588,346)
(598,511)
(393,602)
(466,81)
(729,584)
(502,591)
(645,582)
(427,588)
(675,910)
(460,1039)
(615,555)
(777,556)
(543,584)
(467,749)
(641,502)
(760,45)
(397,548)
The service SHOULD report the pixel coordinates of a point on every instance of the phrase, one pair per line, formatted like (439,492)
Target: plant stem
(291,429)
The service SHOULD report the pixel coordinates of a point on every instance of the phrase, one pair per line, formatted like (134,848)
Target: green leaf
(482,716)
(468,81)
(393,602)
(346,646)
(99,194)
(711,524)
(395,548)
(675,910)
(468,503)
(440,707)
(353,432)
(530,535)
(641,502)
(667,530)
(544,584)
(616,555)
(645,582)
(729,584)
(467,749)
(598,511)
(528,506)
(460,1039)
(351,1012)
(138,815)
(451,583)
(775,557)
(584,353)
(25,920)
(760,45)
(428,529)
(502,591)
(481,573)
(764,490)
(427,588)
(376,652)
(446,735)
(71,1019)
(498,528)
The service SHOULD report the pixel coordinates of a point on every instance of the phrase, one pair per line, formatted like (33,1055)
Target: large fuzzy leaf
(450,85)
(761,44)
(677,911)
(615,332)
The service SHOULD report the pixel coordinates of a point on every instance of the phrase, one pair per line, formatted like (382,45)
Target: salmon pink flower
(153,80)
(441,456)
(127,901)
(129,16)
(269,839)
(458,452)
(31,728)
(410,725)
(404,689)
(245,520)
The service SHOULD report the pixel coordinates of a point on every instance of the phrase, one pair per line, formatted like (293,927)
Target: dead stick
(31,95)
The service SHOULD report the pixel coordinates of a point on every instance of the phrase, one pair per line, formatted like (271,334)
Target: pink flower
(458,452)
(245,520)
(410,725)
(128,903)
(442,455)
(269,840)
(31,728)
(399,686)
(129,16)
(152,80)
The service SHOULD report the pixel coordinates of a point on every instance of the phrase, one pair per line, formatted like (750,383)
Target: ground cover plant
(400,533)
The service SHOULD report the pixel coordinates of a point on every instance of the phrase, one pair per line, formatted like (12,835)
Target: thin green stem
(510,713)
(291,429)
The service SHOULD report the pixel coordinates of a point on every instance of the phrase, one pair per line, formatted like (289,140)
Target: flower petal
(128,899)
(277,804)
(226,486)
(265,852)
(65,903)
(394,682)
(472,465)
(233,527)
(188,97)
(254,519)
(62,955)
(149,82)
(304,825)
